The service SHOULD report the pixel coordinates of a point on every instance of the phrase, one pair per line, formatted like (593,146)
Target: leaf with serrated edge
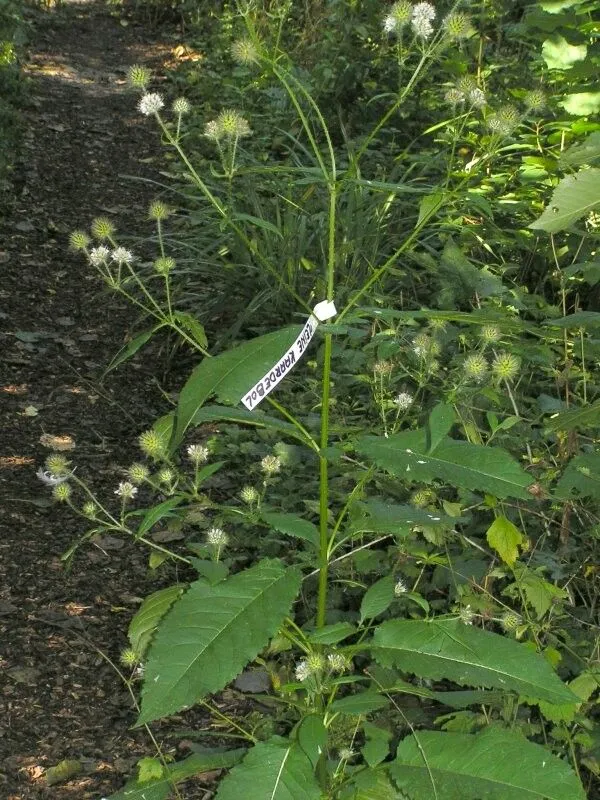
(274,770)
(575,196)
(211,633)
(495,764)
(448,649)
(149,614)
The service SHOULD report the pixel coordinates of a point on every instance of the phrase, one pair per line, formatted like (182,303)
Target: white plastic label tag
(321,312)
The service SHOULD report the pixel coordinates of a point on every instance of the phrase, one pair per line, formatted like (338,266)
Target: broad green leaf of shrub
(586,417)
(439,424)
(379,516)
(150,613)
(370,784)
(581,478)
(539,593)
(377,744)
(555,6)
(461,464)
(505,538)
(575,196)
(559,54)
(211,633)
(229,375)
(378,598)
(311,735)
(448,649)
(358,704)
(195,764)
(581,104)
(585,152)
(495,764)
(274,770)
(292,525)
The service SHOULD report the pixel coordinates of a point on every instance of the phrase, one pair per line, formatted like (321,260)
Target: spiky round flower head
(102,228)
(89,509)
(217,537)
(126,490)
(99,256)
(399,16)
(58,465)
(164,265)
(403,401)
(422,345)
(490,334)
(506,366)
(504,121)
(151,103)
(138,77)
(475,367)
(151,444)
(62,492)
(346,753)
(466,84)
(315,663)
(270,465)
(244,51)
(400,587)
(122,256)
(510,115)
(249,495)
(511,620)
(213,131)
(422,18)
(302,671)
(535,100)
(423,498)
(232,125)
(181,106)
(383,368)
(138,473)
(457,25)
(159,210)
(166,475)
(454,96)
(466,615)
(338,662)
(128,657)
(437,325)
(198,454)
(476,98)
(435,348)
(79,240)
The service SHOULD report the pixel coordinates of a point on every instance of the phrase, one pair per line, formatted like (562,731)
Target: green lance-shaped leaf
(575,196)
(150,613)
(461,464)
(211,633)
(292,525)
(230,374)
(278,769)
(495,765)
(448,649)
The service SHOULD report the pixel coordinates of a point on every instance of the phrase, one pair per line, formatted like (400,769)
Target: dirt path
(59,699)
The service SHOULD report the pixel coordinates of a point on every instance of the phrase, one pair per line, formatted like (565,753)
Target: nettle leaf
(586,417)
(150,613)
(277,769)
(378,598)
(495,764)
(292,525)
(229,375)
(211,633)
(361,703)
(441,420)
(539,593)
(460,464)
(448,649)
(584,152)
(559,54)
(575,196)
(581,478)
(371,784)
(377,744)
(505,538)
(379,516)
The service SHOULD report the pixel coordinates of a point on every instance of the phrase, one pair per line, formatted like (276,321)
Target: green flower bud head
(181,106)
(138,473)
(506,366)
(338,662)
(510,621)
(458,26)
(244,52)
(315,663)
(152,445)
(159,210)
(423,498)
(454,96)
(58,465)
(383,368)
(62,492)
(232,125)
(128,657)
(89,510)
(102,228)
(535,100)
(504,121)
(166,475)
(490,334)
(79,240)
(466,84)
(475,367)
(164,265)
(138,77)
(249,495)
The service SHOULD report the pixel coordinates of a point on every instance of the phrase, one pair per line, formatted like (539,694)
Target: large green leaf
(379,516)
(585,152)
(150,613)
(274,770)
(195,764)
(559,54)
(292,525)
(257,419)
(230,374)
(586,417)
(461,464)
(448,649)
(371,784)
(495,765)
(575,196)
(581,478)
(211,633)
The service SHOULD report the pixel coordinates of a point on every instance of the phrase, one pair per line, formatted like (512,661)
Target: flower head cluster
(270,465)
(228,125)
(382,368)
(159,210)
(58,465)
(152,444)
(102,228)
(198,454)
(510,621)
(138,473)
(506,367)
(457,25)
(403,401)
(122,256)
(49,478)
(126,490)
(151,103)
(535,100)
(338,662)
(490,334)
(504,121)
(62,492)
(164,265)
(244,52)
(217,537)
(466,91)
(138,77)
(166,475)
(423,498)
(181,106)
(475,367)
(466,615)
(79,240)
(249,495)
(399,16)
(99,255)
(89,509)
(128,657)
(422,18)
(400,587)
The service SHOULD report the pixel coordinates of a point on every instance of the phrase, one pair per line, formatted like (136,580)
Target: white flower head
(217,537)
(270,465)
(403,401)
(151,103)
(198,454)
(120,255)
(126,490)
(181,106)
(423,15)
(400,587)
(389,24)
(466,615)
(99,255)
(477,98)
(302,671)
